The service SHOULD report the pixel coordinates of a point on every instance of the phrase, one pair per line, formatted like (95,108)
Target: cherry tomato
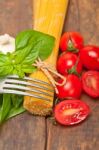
(71,41)
(70,112)
(90,83)
(69,63)
(72,87)
(90,57)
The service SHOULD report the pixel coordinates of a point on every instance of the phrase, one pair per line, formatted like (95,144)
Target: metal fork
(15,85)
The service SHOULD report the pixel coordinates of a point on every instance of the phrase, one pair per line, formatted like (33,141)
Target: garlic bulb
(7,44)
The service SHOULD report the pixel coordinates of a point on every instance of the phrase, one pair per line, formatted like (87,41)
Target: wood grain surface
(27,132)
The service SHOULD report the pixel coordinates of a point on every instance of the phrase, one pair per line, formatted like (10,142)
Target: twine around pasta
(50,72)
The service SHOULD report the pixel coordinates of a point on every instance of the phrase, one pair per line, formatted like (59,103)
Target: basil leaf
(23,55)
(18,70)
(33,43)
(10,106)
(15,111)
(22,39)
(28,69)
(6,66)
(6,106)
(1,100)
(17,100)
(4,59)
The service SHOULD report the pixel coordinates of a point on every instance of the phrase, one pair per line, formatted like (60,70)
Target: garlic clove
(7,43)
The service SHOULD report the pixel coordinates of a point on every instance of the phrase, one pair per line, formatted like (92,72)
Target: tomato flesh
(90,83)
(70,112)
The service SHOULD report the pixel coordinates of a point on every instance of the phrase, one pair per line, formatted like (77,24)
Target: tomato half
(89,56)
(90,83)
(72,87)
(70,112)
(69,63)
(71,41)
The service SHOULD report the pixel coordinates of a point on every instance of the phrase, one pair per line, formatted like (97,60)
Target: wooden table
(27,132)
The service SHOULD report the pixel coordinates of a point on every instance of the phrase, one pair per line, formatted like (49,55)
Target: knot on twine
(50,72)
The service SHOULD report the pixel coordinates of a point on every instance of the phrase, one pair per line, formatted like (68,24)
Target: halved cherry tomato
(70,112)
(90,83)
(72,87)
(71,41)
(69,63)
(89,56)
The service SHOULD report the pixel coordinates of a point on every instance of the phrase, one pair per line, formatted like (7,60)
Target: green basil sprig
(29,45)
(6,106)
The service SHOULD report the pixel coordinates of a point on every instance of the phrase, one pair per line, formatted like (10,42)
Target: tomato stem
(71,47)
(73,70)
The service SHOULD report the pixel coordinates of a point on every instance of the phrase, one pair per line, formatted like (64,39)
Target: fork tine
(12,81)
(25,94)
(19,87)
(30,79)
(15,85)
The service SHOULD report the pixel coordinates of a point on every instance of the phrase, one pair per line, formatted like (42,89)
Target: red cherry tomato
(69,63)
(70,112)
(72,87)
(71,41)
(90,57)
(90,83)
